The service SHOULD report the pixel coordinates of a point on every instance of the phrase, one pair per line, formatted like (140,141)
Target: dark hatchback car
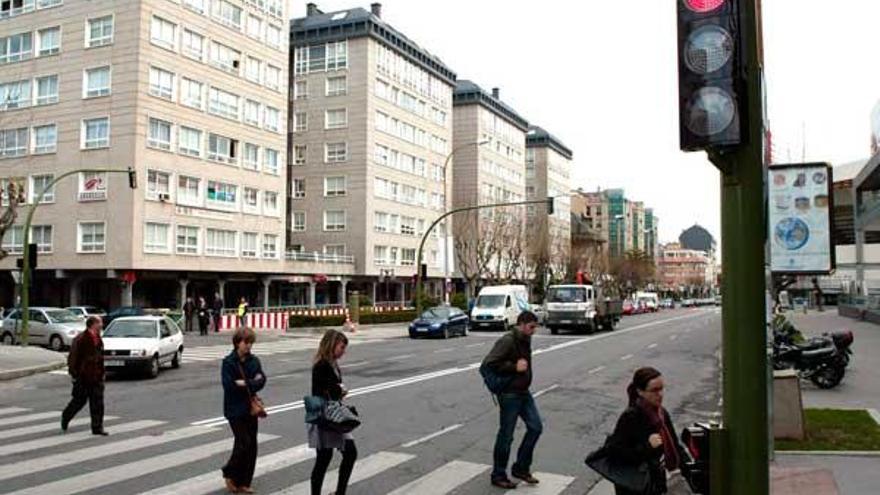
(123,311)
(440,321)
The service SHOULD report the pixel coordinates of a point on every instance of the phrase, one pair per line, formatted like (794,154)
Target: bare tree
(476,245)
(12,196)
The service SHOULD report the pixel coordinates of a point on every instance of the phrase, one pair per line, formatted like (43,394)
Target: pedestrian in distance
(85,364)
(645,433)
(218,310)
(242,310)
(512,355)
(327,383)
(242,376)
(204,316)
(189,308)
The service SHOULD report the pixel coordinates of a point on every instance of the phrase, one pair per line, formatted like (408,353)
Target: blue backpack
(495,382)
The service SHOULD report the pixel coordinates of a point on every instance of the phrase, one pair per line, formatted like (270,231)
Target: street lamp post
(25,264)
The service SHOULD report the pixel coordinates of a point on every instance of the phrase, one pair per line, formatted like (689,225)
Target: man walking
(85,363)
(189,307)
(512,355)
(218,310)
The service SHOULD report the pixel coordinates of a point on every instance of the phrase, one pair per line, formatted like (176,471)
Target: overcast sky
(602,76)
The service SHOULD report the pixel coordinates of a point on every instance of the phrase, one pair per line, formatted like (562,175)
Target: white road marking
(401,357)
(12,410)
(363,469)
(355,364)
(443,350)
(478,344)
(551,484)
(443,479)
(627,357)
(652,346)
(542,392)
(30,417)
(432,436)
(61,439)
(596,370)
(53,426)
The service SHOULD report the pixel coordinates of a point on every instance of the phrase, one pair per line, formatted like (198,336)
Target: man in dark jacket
(85,363)
(512,355)
(218,310)
(189,308)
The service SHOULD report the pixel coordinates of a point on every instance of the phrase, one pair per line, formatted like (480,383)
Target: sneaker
(503,483)
(527,477)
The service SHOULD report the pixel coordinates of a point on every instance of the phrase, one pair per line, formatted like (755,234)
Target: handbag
(632,477)
(257,408)
(330,414)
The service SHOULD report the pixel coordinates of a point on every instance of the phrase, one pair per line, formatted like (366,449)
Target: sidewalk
(17,361)
(382,331)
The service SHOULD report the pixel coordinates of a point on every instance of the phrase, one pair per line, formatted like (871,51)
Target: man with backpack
(507,372)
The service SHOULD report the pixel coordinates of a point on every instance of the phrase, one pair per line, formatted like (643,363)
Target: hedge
(366,318)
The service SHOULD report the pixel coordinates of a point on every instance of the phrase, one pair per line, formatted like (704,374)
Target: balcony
(317,257)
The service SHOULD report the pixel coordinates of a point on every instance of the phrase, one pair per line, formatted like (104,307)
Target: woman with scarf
(644,432)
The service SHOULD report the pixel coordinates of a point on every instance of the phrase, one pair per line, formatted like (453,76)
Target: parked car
(667,304)
(718,300)
(123,311)
(142,343)
(442,321)
(86,311)
(54,327)
(540,312)
(499,306)
(688,303)
(628,307)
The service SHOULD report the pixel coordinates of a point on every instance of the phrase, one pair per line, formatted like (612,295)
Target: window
(335,152)
(250,199)
(45,138)
(299,221)
(157,237)
(13,142)
(270,246)
(100,31)
(407,225)
(252,70)
(407,257)
(189,141)
(251,156)
(15,94)
(334,186)
(159,134)
(188,191)
(254,27)
(273,77)
(220,242)
(317,58)
(337,85)
(271,165)
(158,183)
(47,90)
(96,82)
(227,13)
(380,255)
(273,118)
(249,244)
(270,203)
(196,5)
(334,220)
(222,195)
(299,188)
(16,47)
(187,240)
(300,122)
(12,8)
(92,186)
(223,103)
(297,248)
(336,118)
(38,184)
(334,250)
(224,57)
(161,83)
(273,36)
(252,112)
(90,237)
(301,90)
(163,33)
(299,154)
(380,221)
(191,93)
(96,133)
(192,44)
(41,235)
(13,240)
(49,41)
(392,256)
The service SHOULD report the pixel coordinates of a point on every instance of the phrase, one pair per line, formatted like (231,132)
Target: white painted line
(401,357)
(652,346)
(673,337)
(355,364)
(443,350)
(596,370)
(363,469)
(432,436)
(53,426)
(551,484)
(443,479)
(58,372)
(46,463)
(627,357)
(542,392)
(136,469)
(62,439)
(478,344)
(30,417)
(209,482)
(12,410)
(875,415)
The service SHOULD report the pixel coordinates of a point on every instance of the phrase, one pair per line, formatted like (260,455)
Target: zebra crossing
(151,457)
(217,352)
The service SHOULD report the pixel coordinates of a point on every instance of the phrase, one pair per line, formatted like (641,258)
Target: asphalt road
(425,411)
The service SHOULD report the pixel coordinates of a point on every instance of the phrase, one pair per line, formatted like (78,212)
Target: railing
(319,257)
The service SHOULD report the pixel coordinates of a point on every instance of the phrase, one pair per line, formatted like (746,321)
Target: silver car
(53,327)
(86,311)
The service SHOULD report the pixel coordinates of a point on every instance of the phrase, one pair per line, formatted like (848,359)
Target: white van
(649,300)
(499,306)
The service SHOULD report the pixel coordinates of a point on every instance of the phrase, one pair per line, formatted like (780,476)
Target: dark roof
(697,238)
(468,93)
(358,22)
(538,137)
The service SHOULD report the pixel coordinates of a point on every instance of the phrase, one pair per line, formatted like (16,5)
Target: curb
(833,453)
(31,370)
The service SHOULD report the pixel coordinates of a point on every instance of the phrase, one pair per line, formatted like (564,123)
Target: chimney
(376,9)
(496,93)
(311,9)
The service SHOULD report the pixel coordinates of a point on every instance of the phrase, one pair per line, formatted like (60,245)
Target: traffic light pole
(26,264)
(418,294)
(745,469)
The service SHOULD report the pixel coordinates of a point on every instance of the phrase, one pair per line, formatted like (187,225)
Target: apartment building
(192,94)
(371,130)
(685,271)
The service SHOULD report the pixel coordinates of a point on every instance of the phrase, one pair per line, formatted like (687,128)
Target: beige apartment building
(371,130)
(548,175)
(192,94)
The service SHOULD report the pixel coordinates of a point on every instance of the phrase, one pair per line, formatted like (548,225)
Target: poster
(799,214)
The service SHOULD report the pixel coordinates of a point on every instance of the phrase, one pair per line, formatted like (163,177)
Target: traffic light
(32,256)
(132,178)
(711,89)
(550,206)
(696,471)
(424,271)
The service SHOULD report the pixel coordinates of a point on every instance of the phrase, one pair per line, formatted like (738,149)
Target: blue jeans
(512,406)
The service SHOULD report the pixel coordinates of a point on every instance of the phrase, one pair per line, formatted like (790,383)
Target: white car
(53,327)
(86,311)
(142,343)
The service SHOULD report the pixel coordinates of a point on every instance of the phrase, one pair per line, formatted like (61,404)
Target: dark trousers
(216,318)
(93,393)
(349,455)
(203,325)
(512,406)
(188,322)
(241,464)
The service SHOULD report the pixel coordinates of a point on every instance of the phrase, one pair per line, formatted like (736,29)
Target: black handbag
(633,477)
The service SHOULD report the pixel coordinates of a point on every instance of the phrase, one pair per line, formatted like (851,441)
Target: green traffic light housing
(550,206)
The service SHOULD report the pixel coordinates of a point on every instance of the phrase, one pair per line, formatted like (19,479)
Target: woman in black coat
(327,383)
(645,433)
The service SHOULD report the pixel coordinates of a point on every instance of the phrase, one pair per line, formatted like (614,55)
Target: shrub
(459,300)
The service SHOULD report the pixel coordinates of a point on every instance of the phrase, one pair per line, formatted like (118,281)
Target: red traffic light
(703,6)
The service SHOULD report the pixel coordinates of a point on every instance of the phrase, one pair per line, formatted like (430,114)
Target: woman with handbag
(327,383)
(645,436)
(242,378)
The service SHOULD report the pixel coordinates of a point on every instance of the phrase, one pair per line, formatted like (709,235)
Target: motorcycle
(822,360)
